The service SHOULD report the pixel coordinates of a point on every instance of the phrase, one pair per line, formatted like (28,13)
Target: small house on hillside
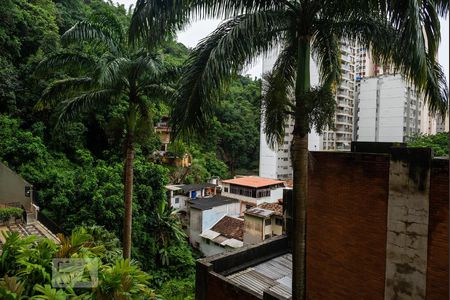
(205,212)
(17,210)
(252,191)
(226,235)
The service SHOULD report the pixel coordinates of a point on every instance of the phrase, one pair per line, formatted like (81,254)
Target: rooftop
(259,212)
(277,208)
(230,227)
(253,181)
(195,187)
(210,202)
(274,276)
(24,230)
(189,187)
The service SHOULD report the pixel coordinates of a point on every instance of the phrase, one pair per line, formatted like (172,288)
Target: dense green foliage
(438,142)
(26,268)
(6,213)
(77,169)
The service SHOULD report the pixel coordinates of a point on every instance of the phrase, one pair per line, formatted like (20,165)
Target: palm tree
(167,228)
(404,34)
(124,76)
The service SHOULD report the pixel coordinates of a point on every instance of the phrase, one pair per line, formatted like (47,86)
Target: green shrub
(9,212)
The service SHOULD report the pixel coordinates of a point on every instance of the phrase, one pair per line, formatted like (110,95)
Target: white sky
(198,30)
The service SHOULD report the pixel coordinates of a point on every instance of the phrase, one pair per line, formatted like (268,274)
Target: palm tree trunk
(299,150)
(128,170)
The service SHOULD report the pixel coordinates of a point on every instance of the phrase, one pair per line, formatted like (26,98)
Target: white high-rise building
(390,110)
(355,64)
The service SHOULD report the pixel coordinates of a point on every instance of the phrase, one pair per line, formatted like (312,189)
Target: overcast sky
(201,29)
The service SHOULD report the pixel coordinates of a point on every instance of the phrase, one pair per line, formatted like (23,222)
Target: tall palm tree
(130,77)
(401,33)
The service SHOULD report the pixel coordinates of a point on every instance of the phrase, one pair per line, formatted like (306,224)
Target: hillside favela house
(382,214)
(18,213)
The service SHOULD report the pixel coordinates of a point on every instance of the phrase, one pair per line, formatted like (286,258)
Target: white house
(252,191)
(178,195)
(204,213)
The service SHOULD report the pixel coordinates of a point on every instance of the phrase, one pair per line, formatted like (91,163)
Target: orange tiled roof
(229,227)
(253,181)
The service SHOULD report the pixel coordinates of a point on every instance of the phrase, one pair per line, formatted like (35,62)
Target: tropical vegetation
(438,142)
(27,268)
(298,30)
(75,157)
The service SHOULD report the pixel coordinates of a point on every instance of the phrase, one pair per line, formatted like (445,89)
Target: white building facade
(389,110)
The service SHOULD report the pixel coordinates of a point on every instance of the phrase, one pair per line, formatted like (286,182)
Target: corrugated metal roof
(274,274)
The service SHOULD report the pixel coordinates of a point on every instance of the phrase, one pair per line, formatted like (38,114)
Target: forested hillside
(77,167)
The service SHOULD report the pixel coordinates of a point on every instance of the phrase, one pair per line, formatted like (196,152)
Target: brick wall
(346,226)
(437,268)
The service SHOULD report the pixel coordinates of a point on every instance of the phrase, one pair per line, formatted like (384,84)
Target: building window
(279,222)
(248,206)
(177,200)
(225,190)
(268,222)
(207,241)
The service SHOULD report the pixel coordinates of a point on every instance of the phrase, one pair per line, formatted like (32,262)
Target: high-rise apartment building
(388,109)
(355,65)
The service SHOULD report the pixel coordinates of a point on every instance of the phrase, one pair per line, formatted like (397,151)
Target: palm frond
(60,89)
(325,50)
(278,95)
(109,20)
(158,91)
(67,61)
(153,20)
(320,108)
(113,71)
(73,107)
(233,45)
(436,88)
(86,31)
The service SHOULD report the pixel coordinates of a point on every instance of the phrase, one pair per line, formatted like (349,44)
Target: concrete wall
(386,221)
(211,248)
(253,229)
(195,225)
(182,202)
(407,223)
(12,188)
(213,215)
(276,229)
